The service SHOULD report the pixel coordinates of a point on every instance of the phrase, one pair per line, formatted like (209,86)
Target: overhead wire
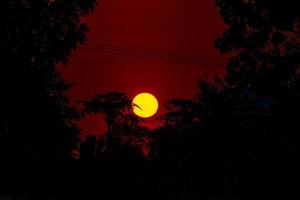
(145,52)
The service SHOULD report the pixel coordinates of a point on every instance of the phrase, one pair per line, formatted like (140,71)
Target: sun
(145,105)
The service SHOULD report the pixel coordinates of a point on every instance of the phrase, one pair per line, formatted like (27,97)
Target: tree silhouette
(35,116)
(242,126)
(37,128)
(239,135)
(122,126)
(252,105)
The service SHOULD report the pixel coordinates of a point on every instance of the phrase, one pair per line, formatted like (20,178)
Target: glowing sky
(187,27)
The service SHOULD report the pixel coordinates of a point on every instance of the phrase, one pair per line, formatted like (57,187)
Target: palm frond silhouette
(137,106)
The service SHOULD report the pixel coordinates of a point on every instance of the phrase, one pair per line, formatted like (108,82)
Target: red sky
(187,27)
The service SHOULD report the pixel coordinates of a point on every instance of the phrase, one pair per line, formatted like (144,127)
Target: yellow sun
(145,105)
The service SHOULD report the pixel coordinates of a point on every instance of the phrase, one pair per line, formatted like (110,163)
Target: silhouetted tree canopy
(124,130)
(241,129)
(237,137)
(36,118)
(251,113)
(265,36)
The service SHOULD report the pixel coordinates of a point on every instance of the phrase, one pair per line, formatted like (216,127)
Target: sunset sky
(157,46)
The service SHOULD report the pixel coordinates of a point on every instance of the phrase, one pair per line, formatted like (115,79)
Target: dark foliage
(36,120)
(238,137)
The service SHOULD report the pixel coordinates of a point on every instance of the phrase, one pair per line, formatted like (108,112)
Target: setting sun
(145,105)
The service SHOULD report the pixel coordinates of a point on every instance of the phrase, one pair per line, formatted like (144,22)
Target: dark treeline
(238,137)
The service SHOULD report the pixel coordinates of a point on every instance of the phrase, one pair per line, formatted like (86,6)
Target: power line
(149,56)
(137,46)
(145,52)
